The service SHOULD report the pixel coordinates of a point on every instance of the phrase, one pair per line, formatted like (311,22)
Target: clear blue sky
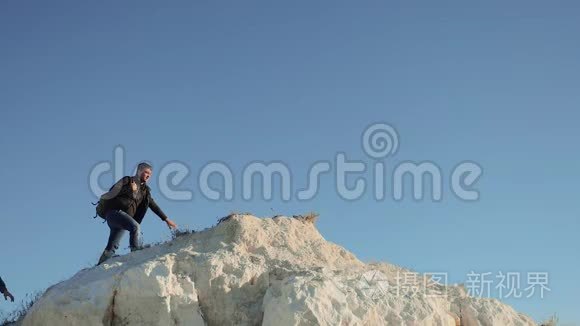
(495,82)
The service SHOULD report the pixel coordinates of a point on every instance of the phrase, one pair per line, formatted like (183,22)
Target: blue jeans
(119,222)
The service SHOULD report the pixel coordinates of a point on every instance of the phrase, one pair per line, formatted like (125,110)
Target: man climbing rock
(126,204)
(5,291)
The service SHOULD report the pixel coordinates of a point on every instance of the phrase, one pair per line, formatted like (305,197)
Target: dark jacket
(2,286)
(134,203)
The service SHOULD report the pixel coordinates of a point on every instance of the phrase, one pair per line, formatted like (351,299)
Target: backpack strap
(94,204)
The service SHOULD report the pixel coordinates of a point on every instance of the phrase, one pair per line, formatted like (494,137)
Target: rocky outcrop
(251,271)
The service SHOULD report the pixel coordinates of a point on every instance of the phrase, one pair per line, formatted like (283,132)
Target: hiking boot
(106,255)
(140,248)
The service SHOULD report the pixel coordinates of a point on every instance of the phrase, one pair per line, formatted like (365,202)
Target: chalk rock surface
(252,271)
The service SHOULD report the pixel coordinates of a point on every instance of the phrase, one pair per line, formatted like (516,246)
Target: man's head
(144,171)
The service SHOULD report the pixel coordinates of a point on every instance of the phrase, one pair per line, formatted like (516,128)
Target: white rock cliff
(251,271)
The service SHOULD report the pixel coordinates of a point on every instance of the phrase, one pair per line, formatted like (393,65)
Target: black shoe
(106,255)
(140,248)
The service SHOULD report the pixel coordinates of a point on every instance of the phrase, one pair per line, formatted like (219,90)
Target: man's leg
(115,235)
(123,221)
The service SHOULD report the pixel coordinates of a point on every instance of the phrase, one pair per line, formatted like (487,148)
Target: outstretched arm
(5,291)
(157,210)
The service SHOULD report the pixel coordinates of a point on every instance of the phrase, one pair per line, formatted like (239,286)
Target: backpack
(101,208)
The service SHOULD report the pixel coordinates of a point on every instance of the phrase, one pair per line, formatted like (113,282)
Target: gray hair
(144,165)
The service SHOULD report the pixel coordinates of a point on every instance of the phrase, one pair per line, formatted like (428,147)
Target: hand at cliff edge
(7,295)
(170,224)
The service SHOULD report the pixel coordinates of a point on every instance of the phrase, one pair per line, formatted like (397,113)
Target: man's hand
(7,295)
(171,224)
(133,186)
